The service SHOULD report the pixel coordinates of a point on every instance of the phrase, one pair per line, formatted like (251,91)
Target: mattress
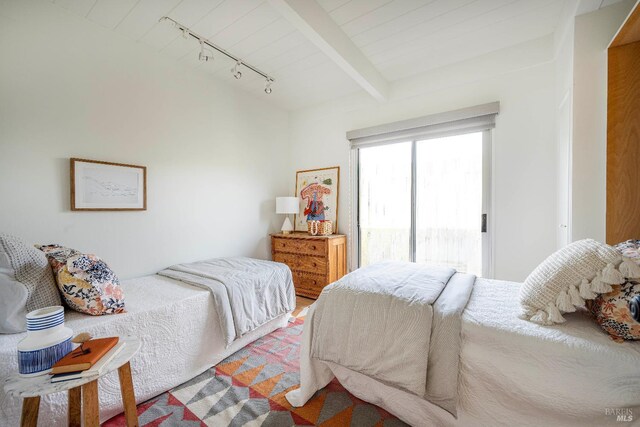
(514,372)
(180,334)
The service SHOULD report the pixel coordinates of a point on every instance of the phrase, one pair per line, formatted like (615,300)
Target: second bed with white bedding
(181,337)
(512,372)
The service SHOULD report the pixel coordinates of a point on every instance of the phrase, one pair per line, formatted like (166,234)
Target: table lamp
(287,206)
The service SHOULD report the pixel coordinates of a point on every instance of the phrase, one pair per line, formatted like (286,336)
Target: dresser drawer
(315,261)
(301,246)
(308,284)
(310,264)
(308,293)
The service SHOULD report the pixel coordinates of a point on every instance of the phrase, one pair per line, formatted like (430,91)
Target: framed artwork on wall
(105,186)
(317,190)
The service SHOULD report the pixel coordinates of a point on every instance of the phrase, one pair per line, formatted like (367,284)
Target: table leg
(90,408)
(30,408)
(75,410)
(128,395)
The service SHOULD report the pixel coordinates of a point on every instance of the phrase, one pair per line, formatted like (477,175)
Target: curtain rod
(216,47)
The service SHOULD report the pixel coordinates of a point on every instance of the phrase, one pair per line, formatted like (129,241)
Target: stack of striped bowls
(47,341)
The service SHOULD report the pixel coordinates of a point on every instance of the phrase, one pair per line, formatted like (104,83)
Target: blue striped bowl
(47,341)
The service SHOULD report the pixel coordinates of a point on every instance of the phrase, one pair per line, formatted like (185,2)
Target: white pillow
(575,273)
(26,283)
(13,299)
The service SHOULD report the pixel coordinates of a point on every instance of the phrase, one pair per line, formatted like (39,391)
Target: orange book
(76,361)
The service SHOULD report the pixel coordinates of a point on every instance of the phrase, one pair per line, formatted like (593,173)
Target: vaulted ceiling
(340,47)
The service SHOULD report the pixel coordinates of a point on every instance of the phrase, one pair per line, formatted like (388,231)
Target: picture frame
(321,186)
(107,186)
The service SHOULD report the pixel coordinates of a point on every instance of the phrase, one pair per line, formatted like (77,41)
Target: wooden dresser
(315,261)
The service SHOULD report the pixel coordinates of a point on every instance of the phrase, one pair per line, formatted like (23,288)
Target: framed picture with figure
(317,190)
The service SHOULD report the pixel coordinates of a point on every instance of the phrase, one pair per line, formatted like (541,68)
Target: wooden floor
(301,303)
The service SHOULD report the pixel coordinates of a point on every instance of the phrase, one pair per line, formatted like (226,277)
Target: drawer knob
(313,248)
(315,265)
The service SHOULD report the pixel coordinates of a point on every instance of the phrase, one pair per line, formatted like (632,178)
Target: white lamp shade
(287,205)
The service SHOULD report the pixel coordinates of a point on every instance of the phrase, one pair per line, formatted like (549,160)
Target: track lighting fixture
(204,56)
(207,49)
(236,72)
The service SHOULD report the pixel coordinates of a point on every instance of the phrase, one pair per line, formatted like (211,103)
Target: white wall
(522,78)
(593,32)
(216,158)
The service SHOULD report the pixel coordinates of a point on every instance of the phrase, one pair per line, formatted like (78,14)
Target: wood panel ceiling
(400,38)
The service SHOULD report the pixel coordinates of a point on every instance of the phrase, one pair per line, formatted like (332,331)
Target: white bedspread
(181,338)
(513,372)
(247,292)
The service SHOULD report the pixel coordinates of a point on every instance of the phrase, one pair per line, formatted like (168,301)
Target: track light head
(267,85)
(237,73)
(204,56)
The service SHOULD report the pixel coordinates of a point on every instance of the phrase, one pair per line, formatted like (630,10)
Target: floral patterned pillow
(612,311)
(630,249)
(86,283)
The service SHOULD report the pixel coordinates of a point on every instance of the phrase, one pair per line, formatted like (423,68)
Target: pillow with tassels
(578,272)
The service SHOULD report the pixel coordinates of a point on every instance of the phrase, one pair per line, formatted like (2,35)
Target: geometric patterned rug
(248,388)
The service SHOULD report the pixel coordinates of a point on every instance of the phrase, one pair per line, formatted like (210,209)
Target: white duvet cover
(181,338)
(514,372)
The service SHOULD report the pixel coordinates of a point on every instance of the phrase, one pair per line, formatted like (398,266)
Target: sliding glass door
(426,201)
(385,203)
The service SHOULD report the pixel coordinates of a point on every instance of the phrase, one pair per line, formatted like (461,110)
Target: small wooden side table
(83,392)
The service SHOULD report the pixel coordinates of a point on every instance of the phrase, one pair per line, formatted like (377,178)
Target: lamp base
(287,227)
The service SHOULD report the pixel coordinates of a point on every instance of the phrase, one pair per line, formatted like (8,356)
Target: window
(425,198)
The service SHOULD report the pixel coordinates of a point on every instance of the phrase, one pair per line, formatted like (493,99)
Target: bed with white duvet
(186,320)
(509,371)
